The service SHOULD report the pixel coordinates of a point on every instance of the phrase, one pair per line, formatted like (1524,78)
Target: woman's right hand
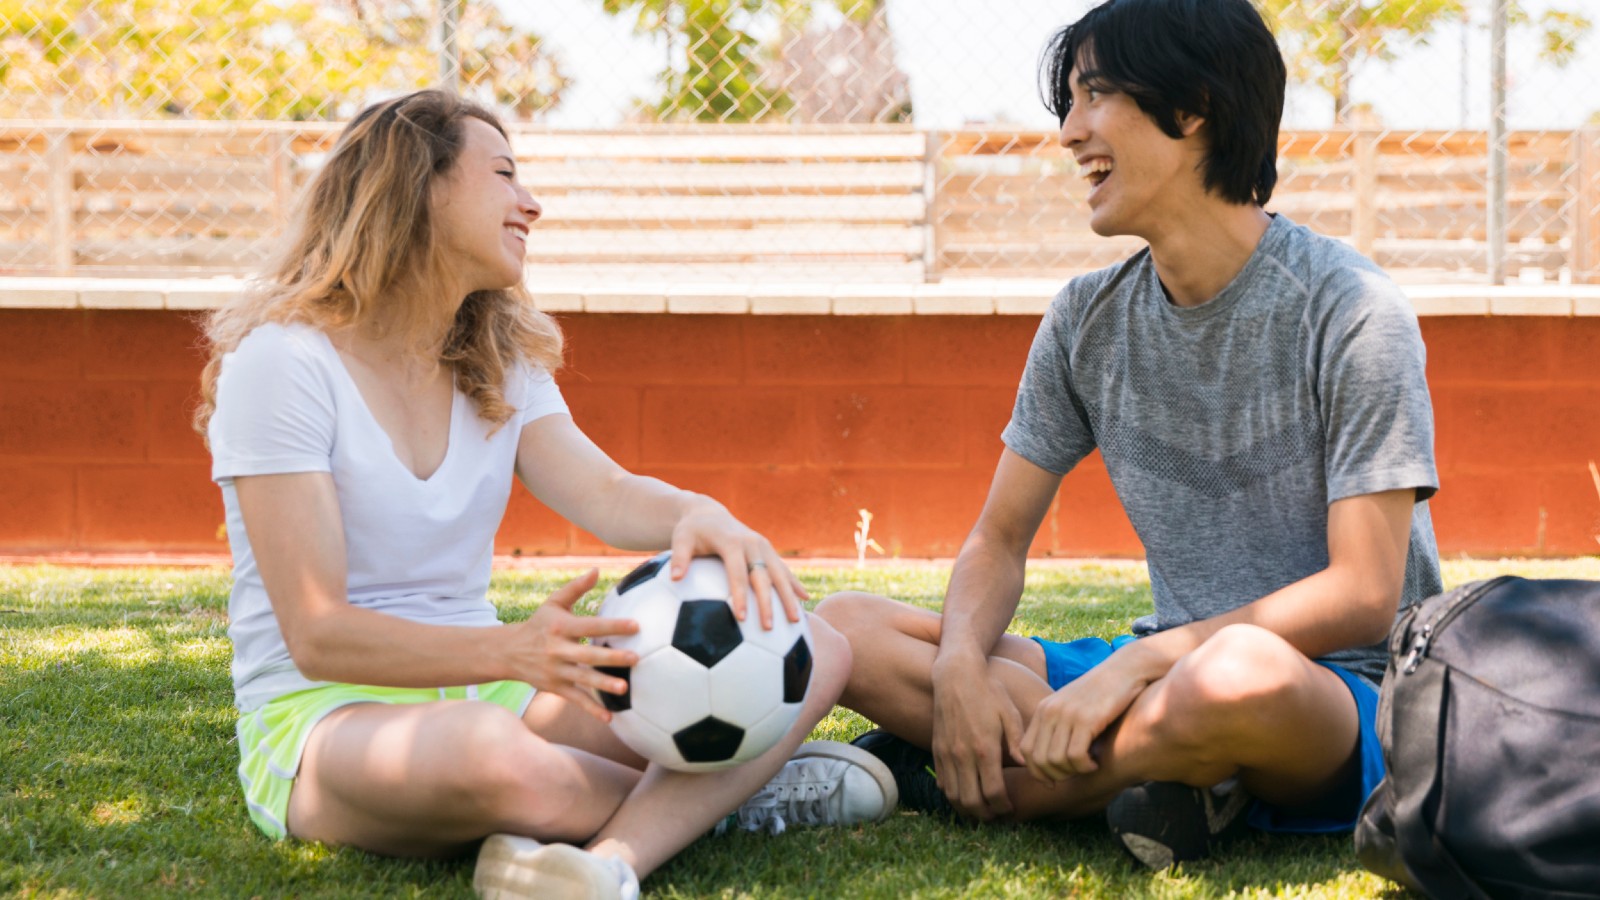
(548,651)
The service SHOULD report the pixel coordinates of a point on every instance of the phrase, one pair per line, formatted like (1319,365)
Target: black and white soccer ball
(708,691)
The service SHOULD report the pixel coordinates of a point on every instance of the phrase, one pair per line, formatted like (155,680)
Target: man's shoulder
(1114,283)
(1332,275)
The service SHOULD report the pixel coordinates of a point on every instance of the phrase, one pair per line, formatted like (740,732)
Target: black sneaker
(1164,822)
(913,771)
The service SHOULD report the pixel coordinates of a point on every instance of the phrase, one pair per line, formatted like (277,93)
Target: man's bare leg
(1244,704)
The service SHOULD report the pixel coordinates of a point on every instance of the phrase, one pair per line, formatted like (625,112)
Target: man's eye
(507,174)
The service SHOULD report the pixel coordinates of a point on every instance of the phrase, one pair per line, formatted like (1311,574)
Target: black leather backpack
(1489,719)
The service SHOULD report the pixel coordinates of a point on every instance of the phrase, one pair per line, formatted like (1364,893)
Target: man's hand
(1060,739)
(975,726)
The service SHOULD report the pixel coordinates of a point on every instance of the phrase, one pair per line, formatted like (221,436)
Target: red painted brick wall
(794,422)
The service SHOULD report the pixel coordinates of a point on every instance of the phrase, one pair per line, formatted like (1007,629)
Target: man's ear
(1189,123)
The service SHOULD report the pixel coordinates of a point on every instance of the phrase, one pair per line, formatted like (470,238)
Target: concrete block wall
(795,421)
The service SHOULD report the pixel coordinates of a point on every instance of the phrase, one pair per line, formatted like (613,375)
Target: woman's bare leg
(429,779)
(668,809)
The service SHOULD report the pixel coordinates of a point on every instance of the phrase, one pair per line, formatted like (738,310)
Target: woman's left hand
(710,530)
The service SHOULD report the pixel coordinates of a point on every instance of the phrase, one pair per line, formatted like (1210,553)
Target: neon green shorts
(272,738)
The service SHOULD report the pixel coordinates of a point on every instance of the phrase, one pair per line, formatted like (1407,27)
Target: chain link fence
(718,140)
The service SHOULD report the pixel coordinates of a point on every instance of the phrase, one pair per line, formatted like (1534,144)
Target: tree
(1326,41)
(499,62)
(713,59)
(231,59)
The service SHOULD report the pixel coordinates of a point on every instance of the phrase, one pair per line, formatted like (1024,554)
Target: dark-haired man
(1257,393)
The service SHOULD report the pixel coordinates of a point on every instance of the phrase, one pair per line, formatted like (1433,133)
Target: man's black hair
(1212,58)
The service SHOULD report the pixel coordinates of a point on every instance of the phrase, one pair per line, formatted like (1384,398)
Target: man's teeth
(1095,170)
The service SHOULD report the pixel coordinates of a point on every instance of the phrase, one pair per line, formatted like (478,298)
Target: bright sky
(976,62)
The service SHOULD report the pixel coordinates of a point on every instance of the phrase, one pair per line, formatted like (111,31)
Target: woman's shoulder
(293,338)
(278,356)
(524,376)
(531,390)
(282,347)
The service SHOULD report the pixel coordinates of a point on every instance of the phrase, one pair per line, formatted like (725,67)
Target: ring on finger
(758,564)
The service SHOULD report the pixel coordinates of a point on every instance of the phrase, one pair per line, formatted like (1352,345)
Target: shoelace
(760,813)
(774,807)
(806,803)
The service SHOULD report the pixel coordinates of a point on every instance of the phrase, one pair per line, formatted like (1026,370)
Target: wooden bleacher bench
(738,204)
(757,218)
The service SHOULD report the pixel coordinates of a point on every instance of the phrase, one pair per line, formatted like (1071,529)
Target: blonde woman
(367,405)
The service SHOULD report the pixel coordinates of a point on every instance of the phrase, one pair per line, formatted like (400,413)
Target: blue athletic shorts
(1064,662)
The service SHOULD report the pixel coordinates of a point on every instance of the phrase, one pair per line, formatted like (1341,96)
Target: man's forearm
(985,586)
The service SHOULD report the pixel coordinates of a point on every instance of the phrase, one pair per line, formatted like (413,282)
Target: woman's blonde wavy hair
(362,237)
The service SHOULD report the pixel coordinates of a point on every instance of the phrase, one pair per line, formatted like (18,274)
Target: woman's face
(482,213)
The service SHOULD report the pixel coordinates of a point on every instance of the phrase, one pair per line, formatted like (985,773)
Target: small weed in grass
(117,758)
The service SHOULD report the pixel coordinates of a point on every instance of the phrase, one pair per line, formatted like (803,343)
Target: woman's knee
(830,671)
(506,773)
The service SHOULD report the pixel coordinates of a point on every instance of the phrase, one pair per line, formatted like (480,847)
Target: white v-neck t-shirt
(415,548)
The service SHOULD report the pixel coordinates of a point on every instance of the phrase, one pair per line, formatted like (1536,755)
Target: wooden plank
(1364,212)
(932,213)
(117,168)
(158,201)
(730,244)
(537,148)
(725,178)
(58,159)
(690,210)
(548,274)
(176,223)
(229,254)
(283,182)
(1586,207)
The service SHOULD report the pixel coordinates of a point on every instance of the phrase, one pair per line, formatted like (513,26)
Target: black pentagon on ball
(706,631)
(622,701)
(642,573)
(709,740)
(796,671)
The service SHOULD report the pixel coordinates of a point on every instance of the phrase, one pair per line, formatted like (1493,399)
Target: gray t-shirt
(1228,428)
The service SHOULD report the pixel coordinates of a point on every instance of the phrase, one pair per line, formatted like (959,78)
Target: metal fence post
(450,44)
(1497,141)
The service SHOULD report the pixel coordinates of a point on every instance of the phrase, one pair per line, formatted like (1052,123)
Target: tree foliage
(712,71)
(1326,41)
(271,59)
(716,61)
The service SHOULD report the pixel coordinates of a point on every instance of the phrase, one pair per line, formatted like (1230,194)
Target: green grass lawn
(117,757)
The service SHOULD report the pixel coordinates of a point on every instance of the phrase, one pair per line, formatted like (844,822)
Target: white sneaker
(826,783)
(514,868)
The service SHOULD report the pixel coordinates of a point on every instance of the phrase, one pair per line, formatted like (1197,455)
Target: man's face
(1138,176)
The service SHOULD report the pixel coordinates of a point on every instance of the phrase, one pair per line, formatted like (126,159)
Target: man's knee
(1230,687)
(852,612)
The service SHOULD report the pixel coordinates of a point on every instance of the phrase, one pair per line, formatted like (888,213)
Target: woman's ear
(1189,123)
